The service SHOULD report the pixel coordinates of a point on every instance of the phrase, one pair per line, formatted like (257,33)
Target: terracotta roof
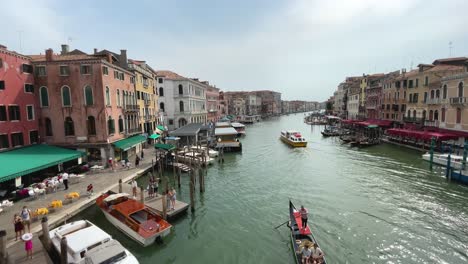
(170,75)
(445,67)
(67,57)
(137,62)
(454,59)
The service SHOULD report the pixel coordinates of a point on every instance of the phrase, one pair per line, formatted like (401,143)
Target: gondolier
(304,216)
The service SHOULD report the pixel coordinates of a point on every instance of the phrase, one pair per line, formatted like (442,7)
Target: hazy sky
(302,48)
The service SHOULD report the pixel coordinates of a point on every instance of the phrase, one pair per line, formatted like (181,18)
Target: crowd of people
(22,220)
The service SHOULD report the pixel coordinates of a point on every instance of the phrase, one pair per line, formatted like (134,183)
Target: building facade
(87,102)
(147,98)
(182,100)
(19,113)
(212,103)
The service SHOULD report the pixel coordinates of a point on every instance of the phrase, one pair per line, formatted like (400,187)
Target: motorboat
(293,138)
(239,127)
(112,252)
(133,218)
(441,159)
(83,237)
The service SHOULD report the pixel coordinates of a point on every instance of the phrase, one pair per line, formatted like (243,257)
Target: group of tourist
(20,221)
(153,187)
(171,199)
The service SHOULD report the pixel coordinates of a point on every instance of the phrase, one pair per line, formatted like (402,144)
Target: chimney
(65,49)
(95,50)
(123,58)
(49,53)
(109,57)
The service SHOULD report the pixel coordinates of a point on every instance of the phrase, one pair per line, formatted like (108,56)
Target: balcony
(459,100)
(132,131)
(431,123)
(131,108)
(417,120)
(434,101)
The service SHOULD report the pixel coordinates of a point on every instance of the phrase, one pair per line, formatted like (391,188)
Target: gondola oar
(282,224)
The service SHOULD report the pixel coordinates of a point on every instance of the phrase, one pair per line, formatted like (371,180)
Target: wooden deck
(17,254)
(183,167)
(156,204)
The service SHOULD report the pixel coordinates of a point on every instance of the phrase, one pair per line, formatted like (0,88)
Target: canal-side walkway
(102,181)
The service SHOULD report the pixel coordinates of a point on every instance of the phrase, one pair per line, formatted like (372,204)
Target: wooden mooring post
(63,251)
(3,247)
(45,234)
(120,186)
(192,190)
(142,195)
(164,205)
(201,179)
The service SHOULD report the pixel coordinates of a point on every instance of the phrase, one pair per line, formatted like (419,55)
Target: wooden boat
(293,138)
(299,236)
(83,239)
(133,217)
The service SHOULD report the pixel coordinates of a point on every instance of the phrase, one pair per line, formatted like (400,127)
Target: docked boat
(133,217)
(299,236)
(112,252)
(456,161)
(240,128)
(194,157)
(331,131)
(211,152)
(83,237)
(293,138)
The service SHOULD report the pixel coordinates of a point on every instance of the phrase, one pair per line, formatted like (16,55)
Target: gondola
(299,236)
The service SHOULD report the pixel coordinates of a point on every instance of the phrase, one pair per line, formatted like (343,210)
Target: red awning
(424,135)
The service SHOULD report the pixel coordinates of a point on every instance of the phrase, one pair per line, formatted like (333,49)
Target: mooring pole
(449,159)
(63,251)
(431,153)
(120,186)
(3,247)
(45,233)
(465,153)
(192,191)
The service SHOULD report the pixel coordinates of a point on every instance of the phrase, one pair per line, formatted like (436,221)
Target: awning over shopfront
(155,136)
(128,143)
(164,146)
(421,135)
(26,160)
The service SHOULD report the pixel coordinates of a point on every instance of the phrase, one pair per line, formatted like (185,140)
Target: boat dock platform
(156,204)
(183,167)
(17,254)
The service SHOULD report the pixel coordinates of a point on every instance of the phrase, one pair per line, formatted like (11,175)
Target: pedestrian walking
(19,227)
(26,217)
(111,163)
(28,245)
(137,161)
(304,216)
(134,188)
(65,180)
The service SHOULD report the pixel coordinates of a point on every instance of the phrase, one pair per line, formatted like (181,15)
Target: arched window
(460,89)
(66,97)
(121,124)
(182,122)
(111,125)
(44,96)
(424,114)
(411,98)
(444,92)
(409,113)
(414,113)
(431,115)
(437,93)
(432,94)
(181,106)
(48,127)
(89,99)
(442,115)
(91,125)
(459,115)
(69,127)
(161,107)
(161,91)
(436,115)
(107,96)
(181,89)
(118,97)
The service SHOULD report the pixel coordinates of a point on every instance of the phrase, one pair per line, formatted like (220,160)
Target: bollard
(3,250)
(142,195)
(120,186)
(45,233)
(63,251)
(164,205)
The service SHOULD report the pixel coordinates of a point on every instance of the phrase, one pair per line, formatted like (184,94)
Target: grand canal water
(374,205)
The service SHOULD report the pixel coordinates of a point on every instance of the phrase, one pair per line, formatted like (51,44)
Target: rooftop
(224,131)
(191,129)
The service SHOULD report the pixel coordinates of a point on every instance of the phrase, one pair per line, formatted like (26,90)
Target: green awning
(161,128)
(372,126)
(26,160)
(154,136)
(164,146)
(126,144)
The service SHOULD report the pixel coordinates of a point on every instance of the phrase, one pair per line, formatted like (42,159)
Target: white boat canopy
(237,125)
(115,196)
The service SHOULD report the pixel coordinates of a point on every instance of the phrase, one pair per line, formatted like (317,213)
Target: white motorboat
(82,237)
(456,161)
(112,252)
(211,152)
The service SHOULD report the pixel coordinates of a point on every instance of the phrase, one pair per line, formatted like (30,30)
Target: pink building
(19,124)
(212,103)
(87,102)
(223,104)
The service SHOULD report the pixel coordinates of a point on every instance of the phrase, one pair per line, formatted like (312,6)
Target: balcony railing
(459,100)
(431,123)
(129,107)
(132,131)
(433,101)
